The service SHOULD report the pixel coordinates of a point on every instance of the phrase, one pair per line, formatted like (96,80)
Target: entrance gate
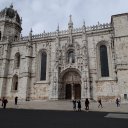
(68,91)
(72,85)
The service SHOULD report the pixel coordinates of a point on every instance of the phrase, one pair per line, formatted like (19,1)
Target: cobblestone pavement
(67,106)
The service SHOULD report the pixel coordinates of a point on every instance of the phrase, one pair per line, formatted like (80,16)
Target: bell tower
(10,24)
(10,29)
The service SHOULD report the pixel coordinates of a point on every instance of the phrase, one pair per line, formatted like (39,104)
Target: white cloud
(46,14)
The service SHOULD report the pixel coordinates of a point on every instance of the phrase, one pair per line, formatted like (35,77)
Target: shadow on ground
(21,118)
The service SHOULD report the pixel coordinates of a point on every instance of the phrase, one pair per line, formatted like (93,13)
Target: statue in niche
(71,57)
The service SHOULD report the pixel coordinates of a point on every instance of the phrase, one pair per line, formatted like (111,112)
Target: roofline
(119,14)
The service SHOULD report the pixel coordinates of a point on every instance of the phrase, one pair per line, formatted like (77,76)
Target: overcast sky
(45,15)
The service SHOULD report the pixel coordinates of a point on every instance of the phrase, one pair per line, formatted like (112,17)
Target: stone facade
(73,60)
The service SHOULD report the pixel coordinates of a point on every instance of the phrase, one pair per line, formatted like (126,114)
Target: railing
(64,32)
(97,27)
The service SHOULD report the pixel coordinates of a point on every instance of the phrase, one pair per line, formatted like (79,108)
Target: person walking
(16,100)
(86,104)
(4,103)
(79,105)
(74,105)
(118,102)
(100,103)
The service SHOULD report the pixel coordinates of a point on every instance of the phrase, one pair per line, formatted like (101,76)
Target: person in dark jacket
(16,100)
(79,105)
(86,104)
(74,105)
(100,103)
(5,101)
(117,102)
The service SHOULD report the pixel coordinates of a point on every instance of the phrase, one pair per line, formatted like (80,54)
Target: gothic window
(15,83)
(0,35)
(104,61)
(15,38)
(71,57)
(43,66)
(17,60)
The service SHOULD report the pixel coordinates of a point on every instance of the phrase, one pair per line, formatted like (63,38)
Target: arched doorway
(77,90)
(71,84)
(68,91)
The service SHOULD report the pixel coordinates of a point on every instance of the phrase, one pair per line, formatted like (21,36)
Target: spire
(70,23)
(57,28)
(84,27)
(30,34)
(83,23)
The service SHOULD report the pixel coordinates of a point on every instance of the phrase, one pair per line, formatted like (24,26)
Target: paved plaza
(59,114)
(24,118)
(66,105)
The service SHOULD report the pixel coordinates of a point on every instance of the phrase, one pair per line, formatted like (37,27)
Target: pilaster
(4,67)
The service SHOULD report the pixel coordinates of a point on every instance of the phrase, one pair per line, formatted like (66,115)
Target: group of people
(77,104)
(5,101)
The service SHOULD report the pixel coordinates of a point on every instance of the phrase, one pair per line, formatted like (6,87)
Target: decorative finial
(11,6)
(70,24)
(98,23)
(84,23)
(58,28)
(84,27)
(30,34)
(31,30)
(70,18)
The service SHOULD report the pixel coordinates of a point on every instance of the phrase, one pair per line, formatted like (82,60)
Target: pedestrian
(86,104)
(117,102)
(4,103)
(16,99)
(79,105)
(100,103)
(74,105)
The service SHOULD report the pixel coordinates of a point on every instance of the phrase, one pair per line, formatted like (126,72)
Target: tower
(10,29)
(10,24)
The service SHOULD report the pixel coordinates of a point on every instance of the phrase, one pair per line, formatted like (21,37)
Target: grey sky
(45,15)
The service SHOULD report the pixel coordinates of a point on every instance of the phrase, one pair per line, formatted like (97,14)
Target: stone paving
(67,106)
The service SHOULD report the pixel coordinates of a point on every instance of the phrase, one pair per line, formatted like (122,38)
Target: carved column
(28,69)
(73,91)
(4,68)
(85,75)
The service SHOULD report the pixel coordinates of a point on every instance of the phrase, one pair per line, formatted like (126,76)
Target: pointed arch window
(0,35)
(43,66)
(104,61)
(17,60)
(71,57)
(15,83)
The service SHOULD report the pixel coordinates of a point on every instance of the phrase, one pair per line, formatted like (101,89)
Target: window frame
(17,60)
(68,60)
(102,69)
(14,81)
(109,54)
(38,67)
(43,53)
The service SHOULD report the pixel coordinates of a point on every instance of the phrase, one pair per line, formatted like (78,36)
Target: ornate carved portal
(71,84)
